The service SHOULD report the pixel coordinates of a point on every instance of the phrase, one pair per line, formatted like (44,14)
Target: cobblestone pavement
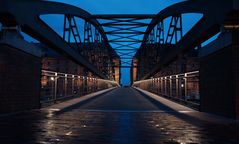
(86,125)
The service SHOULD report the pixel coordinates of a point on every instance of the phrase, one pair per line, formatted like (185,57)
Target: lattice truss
(161,36)
(125,33)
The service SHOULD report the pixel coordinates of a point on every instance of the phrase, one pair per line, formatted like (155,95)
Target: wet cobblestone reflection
(88,127)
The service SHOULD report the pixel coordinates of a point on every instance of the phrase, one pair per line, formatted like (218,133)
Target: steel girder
(26,13)
(214,14)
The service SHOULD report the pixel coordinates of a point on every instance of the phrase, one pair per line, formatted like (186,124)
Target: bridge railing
(182,88)
(57,86)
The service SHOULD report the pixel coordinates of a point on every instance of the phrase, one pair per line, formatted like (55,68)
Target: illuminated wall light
(182,85)
(52,78)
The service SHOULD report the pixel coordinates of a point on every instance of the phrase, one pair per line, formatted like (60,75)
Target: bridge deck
(121,116)
(123,99)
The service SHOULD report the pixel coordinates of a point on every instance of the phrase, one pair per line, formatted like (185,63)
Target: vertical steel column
(88,37)
(151,38)
(98,38)
(175,28)
(71,28)
(160,33)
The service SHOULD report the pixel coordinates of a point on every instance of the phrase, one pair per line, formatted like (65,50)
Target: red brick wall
(19,80)
(191,64)
(62,65)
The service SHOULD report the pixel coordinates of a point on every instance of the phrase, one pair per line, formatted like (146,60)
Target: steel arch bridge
(156,51)
(27,14)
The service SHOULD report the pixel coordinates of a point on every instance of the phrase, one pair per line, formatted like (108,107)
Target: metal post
(82,85)
(185,83)
(55,87)
(158,85)
(177,87)
(170,84)
(165,86)
(65,84)
(73,78)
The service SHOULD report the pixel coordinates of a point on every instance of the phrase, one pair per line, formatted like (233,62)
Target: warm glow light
(182,85)
(69,133)
(231,26)
(54,109)
(52,78)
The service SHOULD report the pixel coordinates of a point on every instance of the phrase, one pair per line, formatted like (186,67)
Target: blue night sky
(120,7)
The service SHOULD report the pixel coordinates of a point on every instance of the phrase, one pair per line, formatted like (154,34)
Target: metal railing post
(65,84)
(170,85)
(185,87)
(177,86)
(55,87)
(72,85)
(165,86)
